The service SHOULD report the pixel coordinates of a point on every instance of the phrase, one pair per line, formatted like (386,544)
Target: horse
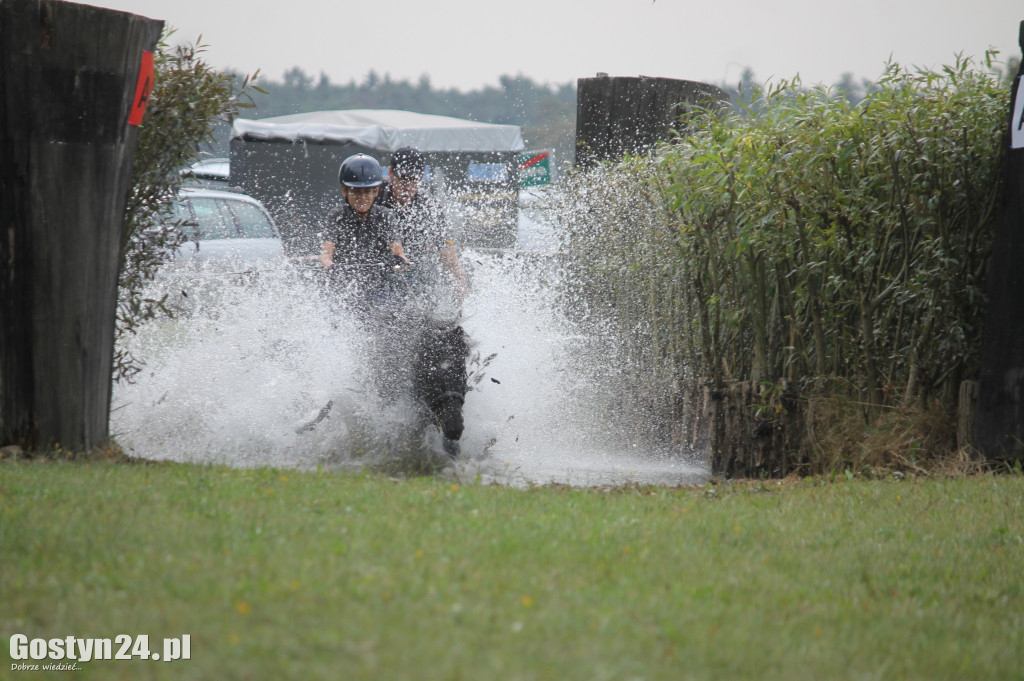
(440,378)
(417,356)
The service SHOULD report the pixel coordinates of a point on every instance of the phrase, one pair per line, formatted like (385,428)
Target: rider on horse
(415,353)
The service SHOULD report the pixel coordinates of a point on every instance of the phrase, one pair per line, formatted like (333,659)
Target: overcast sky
(470,43)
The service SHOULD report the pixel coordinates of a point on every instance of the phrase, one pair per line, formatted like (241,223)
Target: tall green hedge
(802,239)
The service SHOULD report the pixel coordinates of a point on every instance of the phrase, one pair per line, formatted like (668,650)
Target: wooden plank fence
(620,115)
(71,97)
(999,431)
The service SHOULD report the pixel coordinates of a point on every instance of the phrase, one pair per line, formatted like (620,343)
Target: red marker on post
(143,88)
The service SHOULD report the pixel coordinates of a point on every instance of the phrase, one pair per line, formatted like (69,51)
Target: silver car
(233,240)
(226,225)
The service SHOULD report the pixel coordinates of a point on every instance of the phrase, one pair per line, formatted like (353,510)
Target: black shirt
(421,224)
(362,248)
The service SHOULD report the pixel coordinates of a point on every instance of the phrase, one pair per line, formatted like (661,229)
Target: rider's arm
(327,254)
(450,259)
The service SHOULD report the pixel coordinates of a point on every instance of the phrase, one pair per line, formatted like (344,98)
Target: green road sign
(534,168)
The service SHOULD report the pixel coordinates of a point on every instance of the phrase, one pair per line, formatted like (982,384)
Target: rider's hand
(326,261)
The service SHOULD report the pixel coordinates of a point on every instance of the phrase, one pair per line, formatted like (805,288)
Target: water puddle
(249,361)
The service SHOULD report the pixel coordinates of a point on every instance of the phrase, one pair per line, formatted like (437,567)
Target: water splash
(233,378)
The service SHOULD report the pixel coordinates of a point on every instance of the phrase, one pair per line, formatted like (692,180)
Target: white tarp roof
(384,130)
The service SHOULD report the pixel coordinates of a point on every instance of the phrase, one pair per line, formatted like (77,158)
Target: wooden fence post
(615,116)
(754,432)
(999,417)
(73,86)
(965,411)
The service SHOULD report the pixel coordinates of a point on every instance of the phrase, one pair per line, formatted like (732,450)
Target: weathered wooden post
(74,81)
(615,116)
(999,419)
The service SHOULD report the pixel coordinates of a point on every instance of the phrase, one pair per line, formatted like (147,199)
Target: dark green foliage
(188,97)
(815,242)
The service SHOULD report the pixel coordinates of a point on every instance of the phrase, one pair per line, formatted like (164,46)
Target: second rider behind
(419,219)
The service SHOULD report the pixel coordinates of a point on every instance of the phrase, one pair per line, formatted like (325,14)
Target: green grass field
(282,574)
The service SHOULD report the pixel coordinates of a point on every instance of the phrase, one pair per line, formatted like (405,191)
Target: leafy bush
(804,241)
(188,98)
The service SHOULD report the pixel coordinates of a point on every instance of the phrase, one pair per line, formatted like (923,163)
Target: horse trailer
(290,163)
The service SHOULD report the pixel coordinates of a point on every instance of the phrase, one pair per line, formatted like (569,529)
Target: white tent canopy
(383,129)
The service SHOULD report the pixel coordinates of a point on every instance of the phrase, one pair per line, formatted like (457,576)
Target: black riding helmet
(360,170)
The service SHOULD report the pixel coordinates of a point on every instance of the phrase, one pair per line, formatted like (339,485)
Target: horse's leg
(451,447)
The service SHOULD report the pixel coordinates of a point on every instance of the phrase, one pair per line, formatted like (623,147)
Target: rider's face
(360,198)
(405,188)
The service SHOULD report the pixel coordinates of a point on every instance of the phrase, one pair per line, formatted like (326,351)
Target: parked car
(226,225)
(210,172)
(233,240)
